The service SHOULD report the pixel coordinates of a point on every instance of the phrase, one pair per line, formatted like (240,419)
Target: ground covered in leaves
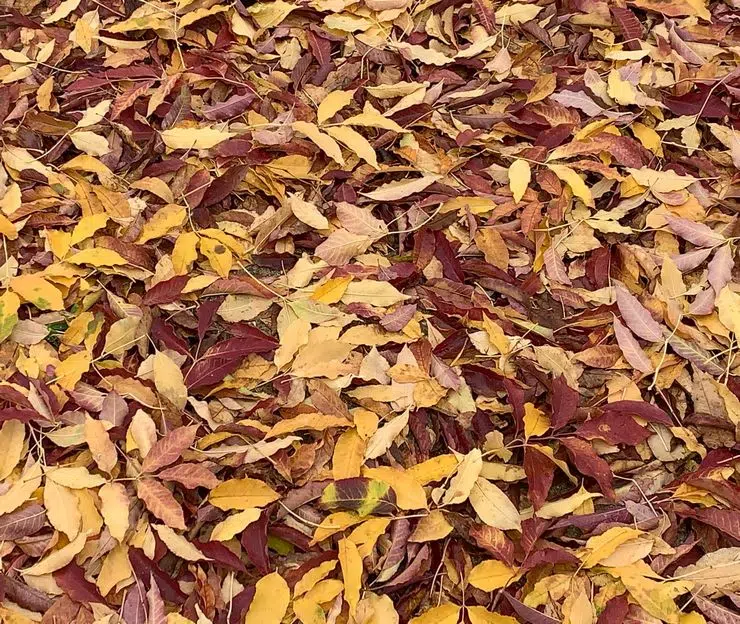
(327,311)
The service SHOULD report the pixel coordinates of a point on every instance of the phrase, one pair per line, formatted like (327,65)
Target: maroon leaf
(528,614)
(647,411)
(71,578)
(165,292)
(564,403)
(540,474)
(254,542)
(587,462)
(629,26)
(615,610)
(614,428)
(222,359)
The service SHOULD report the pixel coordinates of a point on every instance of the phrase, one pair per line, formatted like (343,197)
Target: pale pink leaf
(555,267)
(635,315)
(697,233)
(631,349)
(720,268)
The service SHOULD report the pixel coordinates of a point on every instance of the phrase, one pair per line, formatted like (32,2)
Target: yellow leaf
(649,138)
(87,226)
(116,568)
(121,336)
(169,380)
(544,87)
(269,14)
(494,507)
(481,615)
(333,103)
(559,508)
(9,304)
(307,422)
(356,142)
(242,494)
(431,528)
(70,371)
(600,547)
(184,253)
(493,246)
(307,212)
(218,255)
(351,563)
(367,534)
(382,439)
(657,598)
(520,175)
(373,292)
(234,524)
(622,91)
(90,143)
(178,544)
(409,494)
(94,115)
(536,422)
(12,435)
(371,118)
(7,228)
(97,257)
(348,455)
(165,219)
(115,509)
(36,290)
(492,574)
(21,490)
(517,13)
(462,483)
(728,306)
(59,558)
(434,469)
(61,509)
(328,145)
(661,181)
(403,188)
(62,11)
(443,614)
(103,451)
(270,601)
(332,290)
(313,576)
(194,138)
(575,182)
(75,477)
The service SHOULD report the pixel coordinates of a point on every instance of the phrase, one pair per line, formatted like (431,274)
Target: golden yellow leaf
(313,576)
(165,219)
(328,145)
(194,138)
(75,477)
(348,455)
(431,528)
(536,422)
(169,380)
(481,615)
(58,558)
(271,600)
(351,563)
(332,104)
(575,182)
(242,494)
(9,304)
(61,509)
(178,544)
(600,547)
(115,509)
(38,291)
(332,290)
(520,175)
(116,568)
(21,490)
(356,142)
(462,483)
(492,574)
(103,451)
(218,254)
(409,494)
(234,524)
(443,614)
(12,435)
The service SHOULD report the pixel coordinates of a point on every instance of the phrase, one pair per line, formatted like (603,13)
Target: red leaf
(629,26)
(614,428)
(159,500)
(587,462)
(540,474)
(169,449)
(222,359)
(165,292)
(564,403)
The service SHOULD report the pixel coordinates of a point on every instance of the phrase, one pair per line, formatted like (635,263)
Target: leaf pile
(369,312)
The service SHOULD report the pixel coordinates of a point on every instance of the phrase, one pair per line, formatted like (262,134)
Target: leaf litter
(369,312)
